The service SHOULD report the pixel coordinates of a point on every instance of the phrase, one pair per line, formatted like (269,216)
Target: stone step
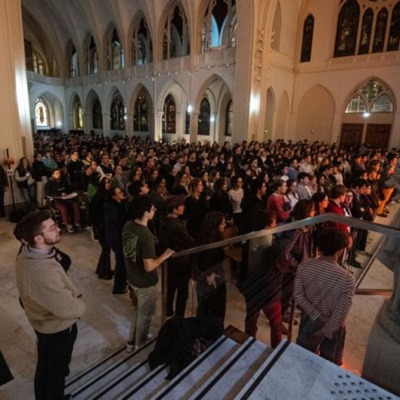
(110,372)
(230,378)
(198,372)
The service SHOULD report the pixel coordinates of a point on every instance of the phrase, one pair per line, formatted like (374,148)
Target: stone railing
(216,57)
(47,80)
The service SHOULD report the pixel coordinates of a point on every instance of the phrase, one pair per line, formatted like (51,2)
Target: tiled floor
(105,325)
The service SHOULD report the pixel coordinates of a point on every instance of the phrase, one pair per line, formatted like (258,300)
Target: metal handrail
(329,217)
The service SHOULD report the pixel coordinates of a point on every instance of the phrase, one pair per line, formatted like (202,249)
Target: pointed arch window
(347,29)
(366,32)
(204,117)
(380,31)
(219,25)
(73,62)
(118,113)
(141,115)
(115,52)
(356,105)
(176,41)
(41,113)
(394,35)
(92,57)
(308,34)
(97,115)
(142,46)
(276,28)
(169,120)
(38,63)
(229,120)
(383,104)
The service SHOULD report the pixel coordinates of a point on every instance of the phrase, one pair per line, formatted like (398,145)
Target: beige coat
(48,295)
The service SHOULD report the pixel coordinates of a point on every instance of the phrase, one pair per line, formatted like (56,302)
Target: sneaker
(70,229)
(130,347)
(79,227)
(149,336)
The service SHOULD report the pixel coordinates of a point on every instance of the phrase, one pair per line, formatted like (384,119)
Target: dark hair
(218,186)
(234,180)
(338,191)
(256,185)
(135,187)
(359,183)
(302,209)
(31,225)
(173,203)
(208,232)
(158,180)
(193,185)
(139,206)
(332,240)
(302,175)
(279,183)
(318,198)
(263,219)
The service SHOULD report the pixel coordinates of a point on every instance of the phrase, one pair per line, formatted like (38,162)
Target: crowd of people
(144,201)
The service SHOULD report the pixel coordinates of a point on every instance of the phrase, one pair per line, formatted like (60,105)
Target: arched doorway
(368,116)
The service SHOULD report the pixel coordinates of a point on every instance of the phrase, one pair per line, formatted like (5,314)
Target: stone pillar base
(382,360)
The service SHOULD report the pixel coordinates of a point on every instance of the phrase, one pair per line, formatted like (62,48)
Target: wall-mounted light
(366,115)
(189,108)
(212,119)
(59,123)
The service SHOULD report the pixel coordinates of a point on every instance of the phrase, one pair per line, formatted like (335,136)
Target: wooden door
(378,135)
(351,135)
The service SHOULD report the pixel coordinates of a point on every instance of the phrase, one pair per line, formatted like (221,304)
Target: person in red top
(337,197)
(278,203)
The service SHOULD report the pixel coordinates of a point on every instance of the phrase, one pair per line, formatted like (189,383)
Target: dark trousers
(212,302)
(178,282)
(330,349)
(287,289)
(120,281)
(104,263)
(274,314)
(54,356)
(2,209)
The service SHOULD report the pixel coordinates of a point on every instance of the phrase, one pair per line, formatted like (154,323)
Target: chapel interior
(193,70)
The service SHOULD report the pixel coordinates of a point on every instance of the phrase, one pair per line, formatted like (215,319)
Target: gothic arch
(282,117)
(112,42)
(270,113)
(133,28)
(174,87)
(141,91)
(91,98)
(92,54)
(276,28)
(315,115)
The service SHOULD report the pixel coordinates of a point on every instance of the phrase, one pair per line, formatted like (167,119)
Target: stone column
(15,132)
(194,126)
(158,126)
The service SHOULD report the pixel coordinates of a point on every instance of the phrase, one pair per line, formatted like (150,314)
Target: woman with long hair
(235,196)
(96,217)
(196,207)
(25,182)
(220,200)
(211,286)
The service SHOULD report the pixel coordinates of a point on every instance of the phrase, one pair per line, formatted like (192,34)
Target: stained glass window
(372,89)
(308,33)
(380,31)
(229,120)
(141,115)
(176,41)
(142,46)
(383,105)
(169,120)
(41,114)
(366,32)
(118,114)
(346,35)
(97,115)
(204,117)
(394,35)
(356,105)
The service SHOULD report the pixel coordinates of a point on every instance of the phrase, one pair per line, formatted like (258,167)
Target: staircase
(236,366)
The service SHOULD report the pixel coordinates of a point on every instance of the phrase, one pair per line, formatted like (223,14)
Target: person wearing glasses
(51,301)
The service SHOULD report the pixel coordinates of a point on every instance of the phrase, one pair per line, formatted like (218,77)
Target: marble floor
(104,327)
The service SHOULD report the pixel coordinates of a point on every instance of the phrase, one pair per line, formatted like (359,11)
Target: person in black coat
(96,217)
(196,207)
(173,235)
(211,286)
(220,200)
(254,201)
(115,216)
